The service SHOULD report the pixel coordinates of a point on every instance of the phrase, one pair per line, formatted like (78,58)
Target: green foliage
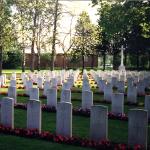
(46,57)
(43,24)
(5,56)
(86,37)
(12,59)
(7,37)
(117,20)
(124,23)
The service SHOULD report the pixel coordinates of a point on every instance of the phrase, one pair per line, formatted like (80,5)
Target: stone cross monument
(122,67)
(122,70)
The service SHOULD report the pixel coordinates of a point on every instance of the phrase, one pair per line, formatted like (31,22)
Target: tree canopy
(125,23)
(86,37)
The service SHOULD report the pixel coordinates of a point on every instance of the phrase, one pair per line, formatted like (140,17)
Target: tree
(122,22)
(85,39)
(102,48)
(54,35)
(37,14)
(7,38)
(20,23)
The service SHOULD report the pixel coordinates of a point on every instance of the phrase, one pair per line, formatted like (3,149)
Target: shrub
(13,60)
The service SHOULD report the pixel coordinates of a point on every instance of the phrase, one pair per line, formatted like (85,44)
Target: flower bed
(76,141)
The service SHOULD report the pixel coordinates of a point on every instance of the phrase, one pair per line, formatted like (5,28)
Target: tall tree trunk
(34,37)
(38,46)
(63,66)
(38,41)
(39,61)
(115,54)
(104,61)
(1,59)
(23,59)
(64,62)
(92,61)
(54,36)
(83,63)
(32,56)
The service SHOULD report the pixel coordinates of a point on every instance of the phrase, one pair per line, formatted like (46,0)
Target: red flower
(17,132)
(138,147)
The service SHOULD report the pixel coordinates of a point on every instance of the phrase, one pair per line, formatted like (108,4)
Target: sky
(81,5)
(76,7)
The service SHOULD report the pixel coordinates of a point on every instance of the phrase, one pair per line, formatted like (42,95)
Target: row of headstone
(117,99)
(131,93)
(87,94)
(46,83)
(42,76)
(108,77)
(132,89)
(137,124)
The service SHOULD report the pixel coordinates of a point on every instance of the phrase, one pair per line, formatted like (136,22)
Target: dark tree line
(126,24)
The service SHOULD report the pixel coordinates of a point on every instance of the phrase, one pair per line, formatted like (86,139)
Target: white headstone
(52,97)
(65,86)
(59,80)
(117,103)
(12,93)
(65,96)
(34,115)
(13,83)
(85,86)
(64,119)
(5,78)
(87,99)
(108,92)
(2,80)
(29,85)
(138,127)
(99,123)
(34,93)
(13,76)
(101,85)
(54,83)
(132,94)
(140,88)
(7,112)
(46,87)
(40,83)
(147,104)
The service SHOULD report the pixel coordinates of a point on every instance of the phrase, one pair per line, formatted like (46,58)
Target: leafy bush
(46,56)
(12,59)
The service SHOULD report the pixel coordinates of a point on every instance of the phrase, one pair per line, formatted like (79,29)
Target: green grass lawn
(117,130)
(8,142)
